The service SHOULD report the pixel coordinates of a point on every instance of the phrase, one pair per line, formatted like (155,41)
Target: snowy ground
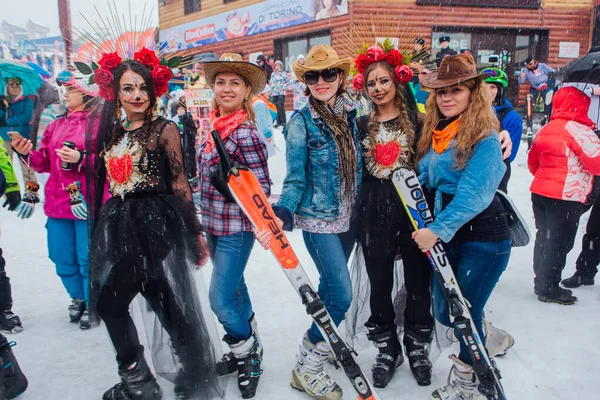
(555,357)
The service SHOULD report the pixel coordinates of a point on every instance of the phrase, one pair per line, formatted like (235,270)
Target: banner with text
(267,16)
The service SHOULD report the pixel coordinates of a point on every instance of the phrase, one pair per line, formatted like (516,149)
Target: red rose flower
(103,77)
(161,76)
(393,57)
(358,82)
(107,93)
(403,74)
(362,62)
(110,61)
(375,53)
(146,57)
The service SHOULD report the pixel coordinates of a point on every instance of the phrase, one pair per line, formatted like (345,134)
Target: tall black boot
(417,340)
(12,380)
(390,357)
(247,354)
(137,383)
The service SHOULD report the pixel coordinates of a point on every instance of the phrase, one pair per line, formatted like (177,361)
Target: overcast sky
(46,11)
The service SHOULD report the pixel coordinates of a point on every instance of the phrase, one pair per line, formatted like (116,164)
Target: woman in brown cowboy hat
(319,194)
(460,162)
(229,233)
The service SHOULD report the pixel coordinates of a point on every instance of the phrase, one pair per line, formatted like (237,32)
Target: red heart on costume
(120,169)
(387,153)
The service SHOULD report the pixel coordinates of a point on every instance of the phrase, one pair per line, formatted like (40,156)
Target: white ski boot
(462,383)
(497,341)
(309,375)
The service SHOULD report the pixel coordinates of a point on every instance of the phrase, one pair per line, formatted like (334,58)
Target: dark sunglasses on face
(329,75)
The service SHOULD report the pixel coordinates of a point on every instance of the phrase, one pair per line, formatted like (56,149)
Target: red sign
(200,33)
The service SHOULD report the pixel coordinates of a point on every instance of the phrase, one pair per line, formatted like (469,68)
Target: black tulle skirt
(154,237)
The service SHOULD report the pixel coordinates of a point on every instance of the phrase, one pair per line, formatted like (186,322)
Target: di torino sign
(483,3)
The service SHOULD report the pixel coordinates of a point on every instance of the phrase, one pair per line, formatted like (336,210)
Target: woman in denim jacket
(319,192)
(460,161)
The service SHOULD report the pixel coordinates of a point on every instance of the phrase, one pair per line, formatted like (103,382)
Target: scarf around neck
(224,125)
(441,138)
(337,121)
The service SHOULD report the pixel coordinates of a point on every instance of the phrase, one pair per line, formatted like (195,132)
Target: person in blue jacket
(509,119)
(16,113)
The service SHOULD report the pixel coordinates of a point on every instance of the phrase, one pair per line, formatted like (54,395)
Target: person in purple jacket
(63,155)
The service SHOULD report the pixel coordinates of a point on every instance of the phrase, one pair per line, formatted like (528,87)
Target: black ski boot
(577,280)
(390,355)
(228,364)
(10,322)
(417,341)
(76,309)
(563,296)
(137,383)
(247,354)
(12,380)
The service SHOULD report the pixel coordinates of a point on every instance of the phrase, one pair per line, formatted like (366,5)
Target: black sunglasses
(329,75)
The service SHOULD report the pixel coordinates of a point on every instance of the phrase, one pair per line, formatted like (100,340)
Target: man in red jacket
(564,158)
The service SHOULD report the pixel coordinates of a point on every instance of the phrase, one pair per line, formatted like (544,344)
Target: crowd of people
(122,219)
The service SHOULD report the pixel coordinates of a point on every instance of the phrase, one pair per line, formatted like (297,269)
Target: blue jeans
(68,250)
(228,293)
(477,266)
(330,252)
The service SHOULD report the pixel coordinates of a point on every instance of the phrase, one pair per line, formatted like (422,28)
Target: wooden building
(497,32)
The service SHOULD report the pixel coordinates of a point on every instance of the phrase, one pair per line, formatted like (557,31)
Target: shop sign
(198,105)
(267,16)
(483,3)
(568,49)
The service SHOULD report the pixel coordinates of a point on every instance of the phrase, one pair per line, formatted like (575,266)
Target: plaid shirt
(244,146)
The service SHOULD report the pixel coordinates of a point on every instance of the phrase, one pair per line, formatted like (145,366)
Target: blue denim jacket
(473,187)
(312,184)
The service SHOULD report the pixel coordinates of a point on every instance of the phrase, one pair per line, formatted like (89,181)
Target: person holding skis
(388,137)
(564,157)
(460,163)
(319,196)
(147,238)
(9,321)
(509,119)
(229,233)
(62,154)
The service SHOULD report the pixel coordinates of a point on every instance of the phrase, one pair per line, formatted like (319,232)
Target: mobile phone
(14,135)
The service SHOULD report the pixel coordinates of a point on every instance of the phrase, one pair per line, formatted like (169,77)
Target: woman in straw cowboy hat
(460,162)
(229,232)
(319,192)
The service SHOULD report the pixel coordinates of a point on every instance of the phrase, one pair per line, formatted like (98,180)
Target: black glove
(3,103)
(218,178)
(12,200)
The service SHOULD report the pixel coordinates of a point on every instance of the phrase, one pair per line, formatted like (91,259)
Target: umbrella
(585,69)
(30,80)
(37,68)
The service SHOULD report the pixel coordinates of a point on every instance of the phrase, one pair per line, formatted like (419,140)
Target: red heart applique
(387,153)
(120,169)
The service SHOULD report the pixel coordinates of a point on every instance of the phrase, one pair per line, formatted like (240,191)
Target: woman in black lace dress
(148,240)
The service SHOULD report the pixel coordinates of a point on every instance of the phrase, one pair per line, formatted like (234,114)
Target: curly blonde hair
(477,122)
(247,104)
(408,127)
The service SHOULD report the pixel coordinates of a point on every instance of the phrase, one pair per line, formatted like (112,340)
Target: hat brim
(299,69)
(431,80)
(255,75)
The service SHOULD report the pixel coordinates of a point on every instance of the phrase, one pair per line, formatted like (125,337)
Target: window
(289,49)
(190,6)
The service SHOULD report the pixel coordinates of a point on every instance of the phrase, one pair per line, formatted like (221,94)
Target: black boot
(560,296)
(416,343)
(247,354)
(390,357)
(577,280)
(228,364)
(137,383)
(12,380)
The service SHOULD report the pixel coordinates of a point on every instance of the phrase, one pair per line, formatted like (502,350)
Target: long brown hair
(246,104)
(373,127)
(477,122)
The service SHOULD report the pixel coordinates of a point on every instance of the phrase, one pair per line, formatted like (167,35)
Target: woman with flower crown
(388,137)
(147,238)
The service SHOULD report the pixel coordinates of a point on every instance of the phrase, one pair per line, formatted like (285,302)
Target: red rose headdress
(381,52)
